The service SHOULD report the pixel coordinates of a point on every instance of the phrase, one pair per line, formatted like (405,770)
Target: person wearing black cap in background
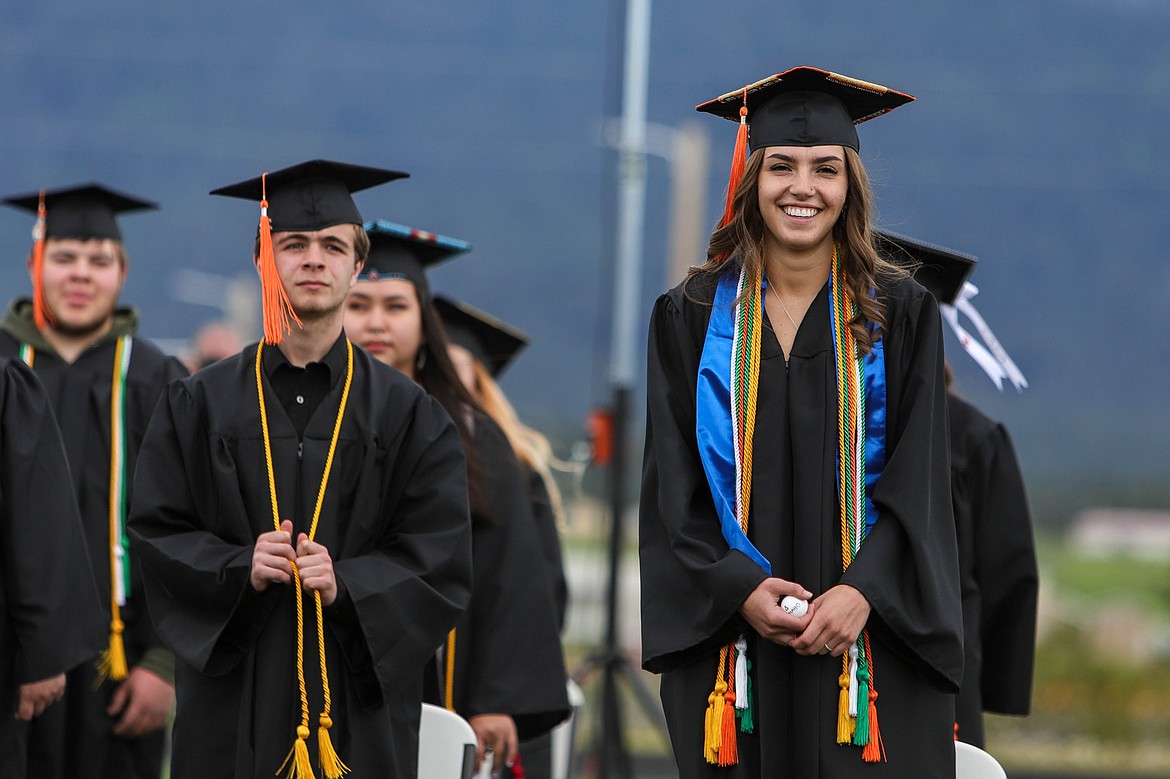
(752,503)
(502,668)
(103,381)
(997,551)
(481,347)
(50,613)
(301,517)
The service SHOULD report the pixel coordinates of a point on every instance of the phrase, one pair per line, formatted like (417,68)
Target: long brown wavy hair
(738,244)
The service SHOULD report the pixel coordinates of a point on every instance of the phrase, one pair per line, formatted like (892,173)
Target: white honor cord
(741,674)
(992,358)
(853,679)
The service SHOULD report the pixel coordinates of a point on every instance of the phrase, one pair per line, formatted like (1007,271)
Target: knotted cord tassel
(875,750)
(518,768)
(747,723)
(728,748)
(844,721)
(277,310)
(741,694)
(41,313)
(112,664)
(713,719)
(297,761)
(331,765)
(861,729)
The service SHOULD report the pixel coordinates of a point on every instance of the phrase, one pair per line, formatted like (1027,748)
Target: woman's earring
(420,360)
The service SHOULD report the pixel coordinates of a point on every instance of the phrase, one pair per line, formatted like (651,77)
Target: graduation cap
(84,212)
(942,271)
(491,341)
(802,106)
(401,252)
(307,197)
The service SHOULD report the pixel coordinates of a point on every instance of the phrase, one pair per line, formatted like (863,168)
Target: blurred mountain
(1036,145)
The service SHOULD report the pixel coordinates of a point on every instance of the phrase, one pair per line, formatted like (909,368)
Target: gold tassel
(331,765)
(112,664)
(844,721)
(297,761)
(714,723)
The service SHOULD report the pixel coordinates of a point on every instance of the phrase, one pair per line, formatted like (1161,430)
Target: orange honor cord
(276,308)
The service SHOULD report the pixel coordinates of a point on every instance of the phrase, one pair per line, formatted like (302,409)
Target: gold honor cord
(112,664)
(298,757)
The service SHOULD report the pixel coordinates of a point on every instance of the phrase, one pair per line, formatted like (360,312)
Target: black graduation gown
(394,519)
(508,656)
(50,617)
(75,739)
(997,565)
(693,585)
(550,542)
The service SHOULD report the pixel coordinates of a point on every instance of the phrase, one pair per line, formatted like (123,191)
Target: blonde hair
(738,244)
(531,447)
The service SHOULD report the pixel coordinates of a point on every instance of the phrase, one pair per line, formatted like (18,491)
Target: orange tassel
(738,162)
(277,310)
(728,748)
(875,750)
(41,313)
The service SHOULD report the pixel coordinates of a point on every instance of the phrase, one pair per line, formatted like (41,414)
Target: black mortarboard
(942,271)
(313,195)
(491,341)
(401,252)
(84,212)
(805,107)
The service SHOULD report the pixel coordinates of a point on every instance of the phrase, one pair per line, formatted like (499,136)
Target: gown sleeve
(52,603)
(197,583)
(550,543)
(692,582)
(1005,569)
(908,567)
(407,593)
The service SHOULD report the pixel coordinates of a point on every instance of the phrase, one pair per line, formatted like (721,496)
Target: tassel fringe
(875,750)
(844,721)
(277,310)
(714,722)
(738,163)
(728,748)
(331,765)
(297,762)
(112,664)
(41,313)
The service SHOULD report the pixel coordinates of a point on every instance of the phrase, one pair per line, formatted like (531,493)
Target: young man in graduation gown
(49,609)
(301,516)
(997,555)
(103,382)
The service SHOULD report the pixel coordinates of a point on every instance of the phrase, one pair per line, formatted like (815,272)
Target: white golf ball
(794,606)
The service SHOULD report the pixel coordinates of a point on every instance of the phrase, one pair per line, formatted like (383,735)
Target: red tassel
(517,768)
(875,750)
(277,310)
(738,162)
(728,748)
(41,313)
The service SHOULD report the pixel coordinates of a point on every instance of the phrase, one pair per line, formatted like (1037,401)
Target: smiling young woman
(796,447)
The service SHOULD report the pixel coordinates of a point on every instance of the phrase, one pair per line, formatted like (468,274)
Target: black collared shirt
(301,390)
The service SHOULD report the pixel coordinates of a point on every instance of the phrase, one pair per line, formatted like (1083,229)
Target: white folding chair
(971,762)
(446,745)
(562,735)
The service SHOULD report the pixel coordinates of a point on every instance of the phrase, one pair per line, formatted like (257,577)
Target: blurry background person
(502,668)
(481,347)
(103,381)
(50,614)
(212,342)
(997,553)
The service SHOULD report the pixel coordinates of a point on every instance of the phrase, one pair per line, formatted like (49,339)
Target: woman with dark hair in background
(502,667)
(797,544)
